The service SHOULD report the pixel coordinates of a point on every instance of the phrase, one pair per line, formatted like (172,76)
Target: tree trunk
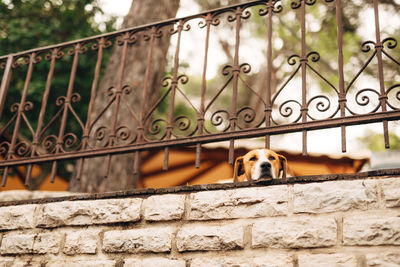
(121,176)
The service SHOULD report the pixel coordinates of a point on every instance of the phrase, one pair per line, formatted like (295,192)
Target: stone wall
(336,223)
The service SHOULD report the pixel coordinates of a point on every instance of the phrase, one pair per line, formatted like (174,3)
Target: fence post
(5,82)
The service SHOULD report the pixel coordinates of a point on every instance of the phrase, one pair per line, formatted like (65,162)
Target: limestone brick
(89,212)
(239,203)
(47,243)
(164,207)
(17,217)
(156,262)
(294,233)
(17,243)
(81,263)
(391,192)
(277,260)
(327,260)
(371,231)
(154,239)
(334,196)
(81,242)
(385,259)
(192,238)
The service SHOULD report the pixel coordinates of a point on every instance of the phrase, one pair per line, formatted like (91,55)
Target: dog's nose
(265,165)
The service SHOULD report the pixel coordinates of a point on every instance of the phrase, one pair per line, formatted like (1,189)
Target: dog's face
(260,163)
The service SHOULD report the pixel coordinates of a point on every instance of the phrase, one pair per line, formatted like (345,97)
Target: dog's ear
(283,169)
(238,170)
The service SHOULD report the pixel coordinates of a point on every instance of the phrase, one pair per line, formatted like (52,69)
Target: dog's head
(260,163)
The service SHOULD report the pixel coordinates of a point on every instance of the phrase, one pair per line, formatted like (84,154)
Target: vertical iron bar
(383,96)
(4,179)
(235,71)
(21,105)
(118,94)
(53,171)
(5,82)
(77,50)
(85,136)
(342,92)
(174,84)
(145,92)
(200,119)
(141,123)
(268,108)
(303,62)
(54,54)
(20,110)
(3,95)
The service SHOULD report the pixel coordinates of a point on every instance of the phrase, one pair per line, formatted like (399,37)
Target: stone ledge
(195,188)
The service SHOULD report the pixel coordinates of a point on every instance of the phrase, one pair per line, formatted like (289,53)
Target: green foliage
(375,142)
(37,23)
(34,23)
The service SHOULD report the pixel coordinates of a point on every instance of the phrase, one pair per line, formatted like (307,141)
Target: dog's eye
(271,158)
(253,158)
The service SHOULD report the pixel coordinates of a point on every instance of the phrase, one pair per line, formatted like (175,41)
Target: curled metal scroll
(297,3)
(157,32)
(276,8)
(397,95)
(210,18)
(15,107)
(183,124)
(70,141)
(389,42)
(101,133)
(286,110)
(219,117)
(362,99)
(4,147)
(56,53)
(367,46)
(157,127)
(123,135)
(322,105)
(22,149)
(128,37)
(49,144)
(79,48)
(245,118)
(102,42)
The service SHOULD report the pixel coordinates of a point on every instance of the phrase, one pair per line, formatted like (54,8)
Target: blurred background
(35,23)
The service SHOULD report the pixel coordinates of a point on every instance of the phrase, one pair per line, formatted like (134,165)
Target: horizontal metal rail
(212,138)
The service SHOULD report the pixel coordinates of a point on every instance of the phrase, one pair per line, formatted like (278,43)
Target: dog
(261,163)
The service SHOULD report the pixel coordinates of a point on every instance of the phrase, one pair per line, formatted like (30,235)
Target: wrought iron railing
(149,129)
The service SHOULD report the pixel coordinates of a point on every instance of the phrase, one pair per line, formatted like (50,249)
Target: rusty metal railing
(150,130)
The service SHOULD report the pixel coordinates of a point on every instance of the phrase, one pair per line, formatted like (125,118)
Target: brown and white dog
(260,163)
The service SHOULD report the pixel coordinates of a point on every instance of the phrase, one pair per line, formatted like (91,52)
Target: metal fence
(149,129)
